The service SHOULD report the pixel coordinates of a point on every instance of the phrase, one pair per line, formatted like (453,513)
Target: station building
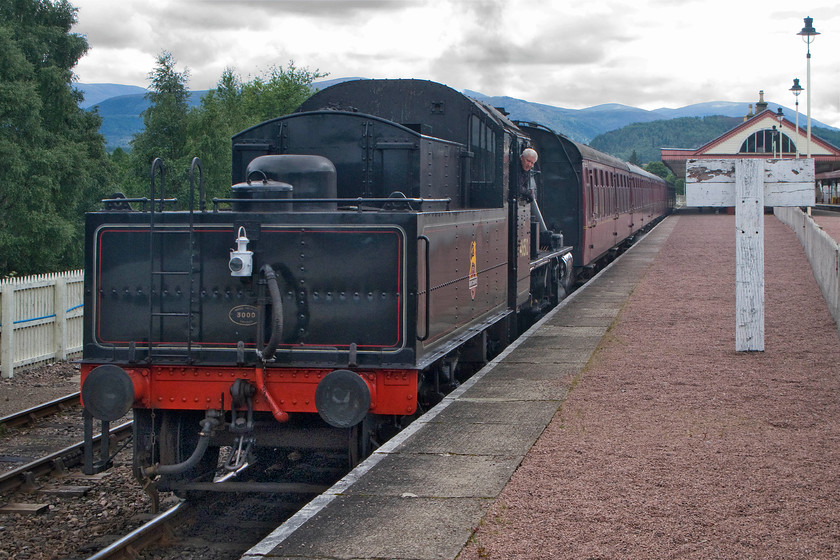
(767,134)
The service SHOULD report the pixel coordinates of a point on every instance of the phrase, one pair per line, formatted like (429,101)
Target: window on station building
(767,141)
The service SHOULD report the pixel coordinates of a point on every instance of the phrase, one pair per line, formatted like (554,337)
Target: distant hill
(120,108)
(645,139)
(121,118)
(97,93)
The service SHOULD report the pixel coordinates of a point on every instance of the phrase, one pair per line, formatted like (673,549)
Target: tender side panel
(467,275)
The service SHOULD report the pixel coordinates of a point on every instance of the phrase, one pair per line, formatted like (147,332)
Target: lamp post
(796,89)
(808,35)
(780,117)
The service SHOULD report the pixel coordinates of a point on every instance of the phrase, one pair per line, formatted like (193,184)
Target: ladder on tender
(168,244)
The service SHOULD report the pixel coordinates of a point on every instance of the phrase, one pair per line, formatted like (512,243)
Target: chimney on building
(749,115)
(761,105)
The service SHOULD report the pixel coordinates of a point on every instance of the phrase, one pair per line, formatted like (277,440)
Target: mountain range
(120,107)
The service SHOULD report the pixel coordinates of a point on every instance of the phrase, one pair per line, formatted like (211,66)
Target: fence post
(60,325)
(7,320)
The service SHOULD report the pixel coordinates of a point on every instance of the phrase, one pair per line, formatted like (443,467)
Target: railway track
(57,462)
(222,524)
(210,528)
(33,430)
(31,415)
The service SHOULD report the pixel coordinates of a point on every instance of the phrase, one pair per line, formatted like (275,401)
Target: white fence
(823,253)
(40,319)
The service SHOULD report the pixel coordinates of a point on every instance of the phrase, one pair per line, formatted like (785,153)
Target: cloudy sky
(644,53)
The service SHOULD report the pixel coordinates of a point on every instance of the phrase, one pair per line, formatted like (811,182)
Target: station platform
(622,425)
(829,220)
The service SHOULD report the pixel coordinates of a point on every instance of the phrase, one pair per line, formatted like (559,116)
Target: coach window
(601,194)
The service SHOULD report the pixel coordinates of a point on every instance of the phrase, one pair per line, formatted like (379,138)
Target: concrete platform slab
(437,476)
(358,527)
(551,331)
(479,439)
(471,410)
(579,318)
(527,390)
(510,370)
(563,349)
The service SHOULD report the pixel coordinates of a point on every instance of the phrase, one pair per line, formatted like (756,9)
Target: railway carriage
(599,201)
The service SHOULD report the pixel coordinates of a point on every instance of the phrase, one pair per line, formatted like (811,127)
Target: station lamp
(796,89)
(808,35)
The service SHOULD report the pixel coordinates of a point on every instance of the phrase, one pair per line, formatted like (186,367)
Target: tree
(53,165)
(657,168)
(165,132)
(234,106)
(277,94)
(634,159)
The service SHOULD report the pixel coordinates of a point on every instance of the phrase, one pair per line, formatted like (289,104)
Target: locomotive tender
(377,249)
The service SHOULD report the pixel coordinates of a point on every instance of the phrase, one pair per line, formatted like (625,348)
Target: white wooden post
(749,185)
(7,320)
(749,256)
(60,325)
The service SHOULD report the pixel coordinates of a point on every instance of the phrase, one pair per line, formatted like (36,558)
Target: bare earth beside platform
(673,445)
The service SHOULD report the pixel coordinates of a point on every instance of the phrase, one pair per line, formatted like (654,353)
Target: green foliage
(164,135)
(233,107)
(646,139)
(52,159)
(830,136)
(657,168)
(176,133)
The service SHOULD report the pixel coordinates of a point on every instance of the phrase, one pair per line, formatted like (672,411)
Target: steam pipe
(203,443)
(267,352)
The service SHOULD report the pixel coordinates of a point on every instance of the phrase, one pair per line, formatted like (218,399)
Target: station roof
(729,145)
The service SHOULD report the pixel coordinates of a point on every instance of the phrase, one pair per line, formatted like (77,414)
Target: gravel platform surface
(673,445)
(829,221)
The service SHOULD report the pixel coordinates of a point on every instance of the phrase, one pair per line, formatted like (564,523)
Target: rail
(68,457)
(31,415)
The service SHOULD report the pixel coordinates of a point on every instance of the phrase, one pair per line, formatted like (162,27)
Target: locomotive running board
(456,342)
(544,258)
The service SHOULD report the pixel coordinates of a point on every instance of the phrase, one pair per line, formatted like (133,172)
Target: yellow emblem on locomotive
(473,271)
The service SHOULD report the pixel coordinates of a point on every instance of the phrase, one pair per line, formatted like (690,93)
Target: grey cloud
(252,10)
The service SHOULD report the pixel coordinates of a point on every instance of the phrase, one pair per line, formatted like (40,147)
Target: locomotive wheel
(143,430)
(558,290)
(179,433)
(362,441)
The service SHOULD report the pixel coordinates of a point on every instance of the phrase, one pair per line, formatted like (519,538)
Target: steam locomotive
(379,245)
